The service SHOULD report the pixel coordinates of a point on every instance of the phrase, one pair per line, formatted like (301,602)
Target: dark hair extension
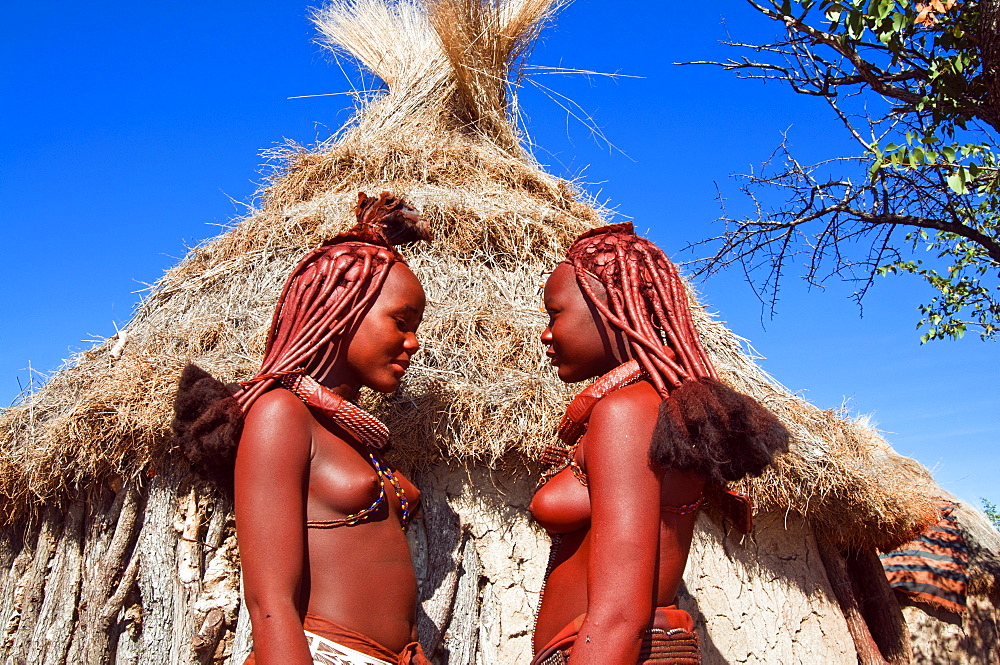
(707,426)
(207,424)
(324,296)
(703,425)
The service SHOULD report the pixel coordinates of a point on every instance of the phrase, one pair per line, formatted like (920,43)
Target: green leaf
(956,181)
(922,162)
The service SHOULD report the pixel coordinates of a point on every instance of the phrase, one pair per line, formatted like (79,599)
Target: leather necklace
(368,429)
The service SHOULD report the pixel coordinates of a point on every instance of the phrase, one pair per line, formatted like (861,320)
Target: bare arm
(272,465)
(625,496)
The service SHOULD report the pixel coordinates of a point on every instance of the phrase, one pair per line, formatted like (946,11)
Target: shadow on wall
(940,636)
(435,543)
(479,563)
(710,654)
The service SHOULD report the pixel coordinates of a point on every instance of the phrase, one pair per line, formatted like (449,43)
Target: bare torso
(294,466)
(378,596)
(563,506)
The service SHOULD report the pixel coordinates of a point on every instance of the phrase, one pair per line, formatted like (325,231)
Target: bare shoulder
(624,420)
(277,420)
(278,403)
(639,401)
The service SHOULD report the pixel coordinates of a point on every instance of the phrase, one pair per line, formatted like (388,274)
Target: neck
(337,383)
(328,368)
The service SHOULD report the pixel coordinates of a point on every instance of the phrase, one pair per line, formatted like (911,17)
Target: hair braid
(322,300)
(306,322)
(703,424)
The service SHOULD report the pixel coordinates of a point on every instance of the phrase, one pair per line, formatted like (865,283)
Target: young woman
(319,515)
(640,446)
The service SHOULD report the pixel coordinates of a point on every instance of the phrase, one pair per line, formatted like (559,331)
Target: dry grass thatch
(480,389)
(983,541)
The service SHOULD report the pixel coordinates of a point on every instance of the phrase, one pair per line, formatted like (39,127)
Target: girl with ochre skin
(621,497)
(319,516)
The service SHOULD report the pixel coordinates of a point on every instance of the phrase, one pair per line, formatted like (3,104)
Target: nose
(411,343)
(547,336)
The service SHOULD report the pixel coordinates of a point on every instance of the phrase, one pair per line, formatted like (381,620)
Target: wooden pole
(843,589)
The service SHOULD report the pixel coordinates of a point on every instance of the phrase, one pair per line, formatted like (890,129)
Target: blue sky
(130,134)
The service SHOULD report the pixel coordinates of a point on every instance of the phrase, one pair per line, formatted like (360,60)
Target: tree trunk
(879,607)
(840,579)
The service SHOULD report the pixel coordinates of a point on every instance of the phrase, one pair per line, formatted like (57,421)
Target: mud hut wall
(478,601)
(938,636)
(763,600)
(479,562)
(120,577)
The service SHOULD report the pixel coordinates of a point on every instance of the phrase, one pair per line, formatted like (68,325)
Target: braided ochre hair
(703,425)
(324,297)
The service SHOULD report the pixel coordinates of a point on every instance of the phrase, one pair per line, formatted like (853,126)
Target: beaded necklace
(368,429)
(574,422)
(573,425)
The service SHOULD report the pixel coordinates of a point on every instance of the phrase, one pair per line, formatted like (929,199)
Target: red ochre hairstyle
(323,300)
(703,424)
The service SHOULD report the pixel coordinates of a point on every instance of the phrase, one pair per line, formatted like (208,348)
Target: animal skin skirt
(669,640)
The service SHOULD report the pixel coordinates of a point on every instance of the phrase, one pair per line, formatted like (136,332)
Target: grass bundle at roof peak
(480,389)
(447,63)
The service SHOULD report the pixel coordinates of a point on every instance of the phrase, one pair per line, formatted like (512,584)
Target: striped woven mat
(932,568)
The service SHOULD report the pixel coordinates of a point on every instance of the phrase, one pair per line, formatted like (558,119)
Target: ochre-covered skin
(294,464)
(620,555)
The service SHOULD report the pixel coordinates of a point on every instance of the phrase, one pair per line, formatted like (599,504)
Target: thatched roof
(983,541)
(440,135)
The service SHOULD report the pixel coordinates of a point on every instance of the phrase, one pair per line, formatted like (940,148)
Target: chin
(384,385)
(567,375)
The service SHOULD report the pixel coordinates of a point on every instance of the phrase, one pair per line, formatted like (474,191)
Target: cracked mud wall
(766,599)
(763,600)
(149,574)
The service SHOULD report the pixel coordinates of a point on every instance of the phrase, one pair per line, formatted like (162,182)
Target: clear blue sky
(130,130)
